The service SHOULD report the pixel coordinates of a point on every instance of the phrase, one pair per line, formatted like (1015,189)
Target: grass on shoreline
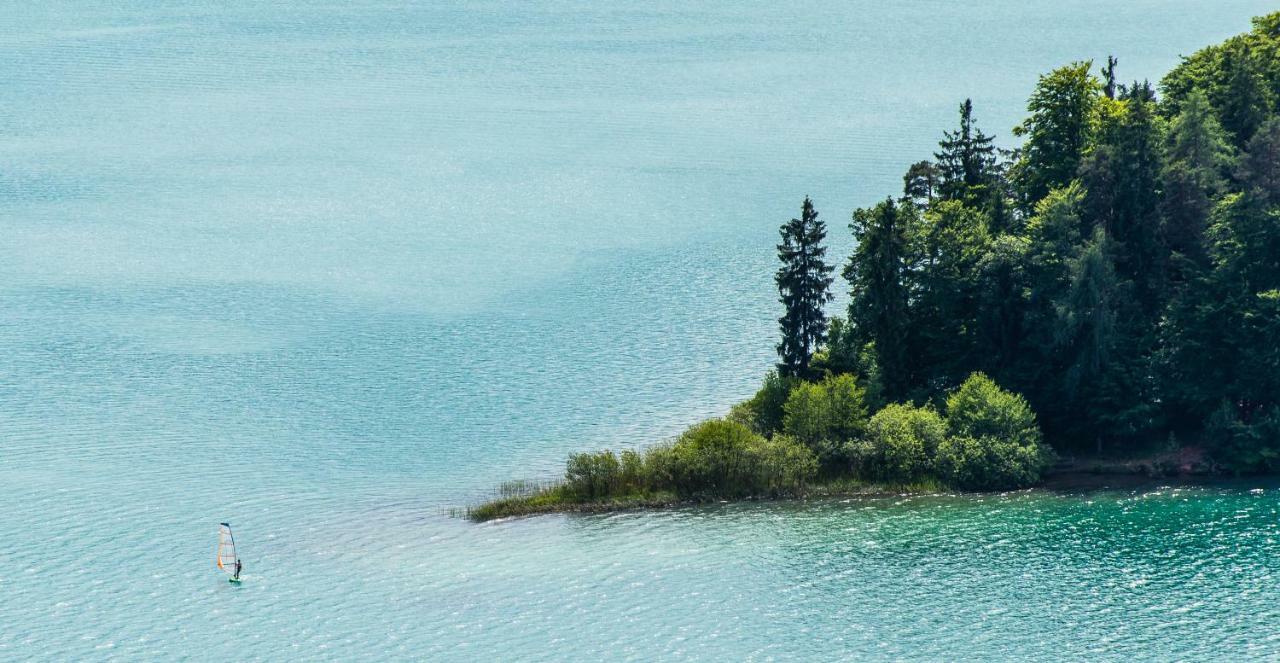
(526,498)
(522,498)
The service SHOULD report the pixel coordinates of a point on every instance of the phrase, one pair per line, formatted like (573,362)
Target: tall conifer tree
(1196,157)
(1242,100)
(966,160)
(1122,177)
(1109,77)
(804,286)
(877,275)
(1259,169)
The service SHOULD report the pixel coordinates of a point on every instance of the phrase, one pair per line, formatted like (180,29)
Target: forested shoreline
(1111,285)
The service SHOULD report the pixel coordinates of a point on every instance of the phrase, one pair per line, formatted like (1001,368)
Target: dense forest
(1110,287)
(1120,268)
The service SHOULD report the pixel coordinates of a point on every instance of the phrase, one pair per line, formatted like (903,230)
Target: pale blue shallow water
(326,270)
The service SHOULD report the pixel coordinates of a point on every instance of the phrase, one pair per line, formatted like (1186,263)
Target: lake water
(326,270)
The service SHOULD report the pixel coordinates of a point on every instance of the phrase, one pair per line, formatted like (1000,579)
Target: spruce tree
(966,160)
(1001,303)
(1259,169)
(1196,157)
(1053,238)
(1122,178)
(1242,100)
(877,275)
(1086,336)
(949,243)
(1109,77)
(804,286)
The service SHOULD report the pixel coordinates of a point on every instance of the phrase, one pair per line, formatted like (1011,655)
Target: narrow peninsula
(1108,289)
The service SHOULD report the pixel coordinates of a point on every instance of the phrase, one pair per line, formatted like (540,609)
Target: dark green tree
(877,273)
(1196,157)
(1109,77)
(1002,288)
(920,184)
(1058,130)
(1197,368)
(1053,241)
(1002,216)
(804,286)
(1259,170)
(1242,100)
(966,159)
(1087,328)
(1223,335)
(1222,339)
(949,245)
(1122,177)
(1055,234)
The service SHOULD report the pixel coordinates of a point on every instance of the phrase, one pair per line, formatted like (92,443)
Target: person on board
(237,575)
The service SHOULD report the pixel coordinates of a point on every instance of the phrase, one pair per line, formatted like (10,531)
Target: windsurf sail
(226,549)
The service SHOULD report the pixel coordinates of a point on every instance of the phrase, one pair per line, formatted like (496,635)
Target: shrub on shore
(824,416)
(713,459)
(988,463)
(980,408)
(782,466)
(993,440)
(900,444)
(722,458)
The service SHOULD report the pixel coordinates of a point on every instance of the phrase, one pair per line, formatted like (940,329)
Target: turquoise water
(326,270)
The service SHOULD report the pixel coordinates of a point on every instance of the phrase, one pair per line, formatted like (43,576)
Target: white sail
(226,549)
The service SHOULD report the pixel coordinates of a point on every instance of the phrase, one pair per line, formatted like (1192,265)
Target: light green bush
(744,413)
(989,463)
(807,414)
(825,415)
(994,442)
(713,459)
(980,408)
(592,475)
(782,465)
(633,475)
(847,407)
(900,444)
